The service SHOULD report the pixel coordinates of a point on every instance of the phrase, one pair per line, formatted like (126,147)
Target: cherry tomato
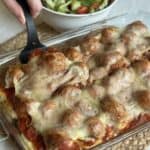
(82,10)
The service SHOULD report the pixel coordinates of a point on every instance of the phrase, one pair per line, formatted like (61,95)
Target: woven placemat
(136,142)
(19,41)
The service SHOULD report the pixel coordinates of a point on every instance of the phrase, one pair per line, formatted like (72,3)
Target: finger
(35,6)
(15,8)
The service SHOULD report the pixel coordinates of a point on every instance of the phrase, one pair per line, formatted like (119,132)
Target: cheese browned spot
(74,55)
(109,104)
(143,98)
(109,34)
(142,67)
(56,61)
(60,141)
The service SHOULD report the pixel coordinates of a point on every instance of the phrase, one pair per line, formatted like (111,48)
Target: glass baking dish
(67,39)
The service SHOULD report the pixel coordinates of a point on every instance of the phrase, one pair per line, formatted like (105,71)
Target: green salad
(76,6)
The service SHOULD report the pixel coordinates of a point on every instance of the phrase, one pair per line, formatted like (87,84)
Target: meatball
(74,55)
(109,34)
(119,80)
(96,128)
(134,42)
(72,118)
(112,106)
(70,94)
(55,61)
(143,98)
(131,40)
(137,27)
(142,67)
(132,34)
(91,45)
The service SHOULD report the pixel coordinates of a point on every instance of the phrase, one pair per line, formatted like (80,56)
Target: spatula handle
(32,37)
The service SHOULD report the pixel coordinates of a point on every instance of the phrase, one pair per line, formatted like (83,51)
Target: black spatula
(33,41)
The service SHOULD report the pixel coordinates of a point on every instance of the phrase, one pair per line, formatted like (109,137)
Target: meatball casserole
(82,96)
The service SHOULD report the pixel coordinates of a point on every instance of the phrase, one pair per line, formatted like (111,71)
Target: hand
(14,7)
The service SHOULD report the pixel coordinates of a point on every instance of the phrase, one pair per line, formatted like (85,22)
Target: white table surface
(9,27)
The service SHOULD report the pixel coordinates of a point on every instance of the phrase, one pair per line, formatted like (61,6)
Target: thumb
(35,6)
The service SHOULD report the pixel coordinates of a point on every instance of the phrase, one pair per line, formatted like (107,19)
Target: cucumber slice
(75,5)
(50,4)
(64,7)
(103,4)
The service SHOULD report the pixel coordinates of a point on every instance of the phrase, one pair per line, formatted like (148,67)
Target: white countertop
(9,27)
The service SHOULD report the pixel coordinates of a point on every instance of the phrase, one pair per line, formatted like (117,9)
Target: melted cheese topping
(79,133)
(50,109)
(52,117)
